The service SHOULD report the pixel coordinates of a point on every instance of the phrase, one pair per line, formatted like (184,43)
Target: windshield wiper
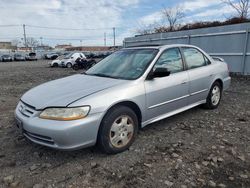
(103,75)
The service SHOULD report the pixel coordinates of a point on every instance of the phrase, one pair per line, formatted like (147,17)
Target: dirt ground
(197,148)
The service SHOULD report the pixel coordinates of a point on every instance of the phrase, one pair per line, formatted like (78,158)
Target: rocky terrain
(197,148)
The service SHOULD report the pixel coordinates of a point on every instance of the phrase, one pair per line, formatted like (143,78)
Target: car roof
(160,47)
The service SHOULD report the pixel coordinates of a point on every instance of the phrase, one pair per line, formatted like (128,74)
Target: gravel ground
(197,148)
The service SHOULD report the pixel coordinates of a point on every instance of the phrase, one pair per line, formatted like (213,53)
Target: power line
(67,36)
(10,25)
(64,28)
(73,39)
(70,29)
(61,38)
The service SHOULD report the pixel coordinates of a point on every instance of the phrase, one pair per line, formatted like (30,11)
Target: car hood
(62,92)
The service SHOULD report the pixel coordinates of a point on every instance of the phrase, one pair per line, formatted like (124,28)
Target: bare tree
(15,42)
(32,42)
(146,29)
(173,15)
(241,6)
(168,22)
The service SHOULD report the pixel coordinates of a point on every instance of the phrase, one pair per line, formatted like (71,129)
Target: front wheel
(68,65)
(118,130)
(214,96)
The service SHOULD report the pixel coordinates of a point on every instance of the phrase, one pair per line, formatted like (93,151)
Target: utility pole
(41,40)
(114,35)
(24,35)
(105,40)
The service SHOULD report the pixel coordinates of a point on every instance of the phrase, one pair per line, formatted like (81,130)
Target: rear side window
(194,58)
(170,59)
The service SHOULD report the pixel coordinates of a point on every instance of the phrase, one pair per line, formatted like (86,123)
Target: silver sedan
(127,90)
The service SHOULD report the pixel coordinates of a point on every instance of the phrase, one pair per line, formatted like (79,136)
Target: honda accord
(124,92)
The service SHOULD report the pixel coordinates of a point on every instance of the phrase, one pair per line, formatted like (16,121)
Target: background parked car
(6,58)
(19,57)
(51,56)
(57,62)
(83,63)
(31,56)
(70,59)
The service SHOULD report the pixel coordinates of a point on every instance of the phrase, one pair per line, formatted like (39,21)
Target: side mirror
(159,73)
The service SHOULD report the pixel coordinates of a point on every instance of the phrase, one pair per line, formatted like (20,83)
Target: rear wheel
(214,96)
(118,130)
(55,65)
(75,66)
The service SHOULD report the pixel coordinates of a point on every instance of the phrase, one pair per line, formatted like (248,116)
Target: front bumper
(7,59)
(63,135)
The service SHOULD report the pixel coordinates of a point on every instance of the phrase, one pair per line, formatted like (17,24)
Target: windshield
(67,56)
(128,64)
(32,54)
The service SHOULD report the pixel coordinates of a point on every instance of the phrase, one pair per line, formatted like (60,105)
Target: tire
(55,65)
(69,65)
(118,130)
(75,67)
(214,96)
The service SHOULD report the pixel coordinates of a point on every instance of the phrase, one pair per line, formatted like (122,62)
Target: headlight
(65,114)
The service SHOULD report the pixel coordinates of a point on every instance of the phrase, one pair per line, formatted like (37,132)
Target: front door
(166,94)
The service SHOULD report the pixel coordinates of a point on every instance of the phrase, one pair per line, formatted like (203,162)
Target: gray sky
(88,20)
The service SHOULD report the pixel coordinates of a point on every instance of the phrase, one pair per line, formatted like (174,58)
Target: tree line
(174,15)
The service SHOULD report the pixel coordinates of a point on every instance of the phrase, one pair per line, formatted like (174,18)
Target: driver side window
(170,59)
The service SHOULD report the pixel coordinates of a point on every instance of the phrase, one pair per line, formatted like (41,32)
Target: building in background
(62,47)
(92,48)
(42,48)
(7,47)
(24,49)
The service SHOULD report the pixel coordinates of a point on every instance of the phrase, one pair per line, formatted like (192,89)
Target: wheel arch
(219,80)
(132,105)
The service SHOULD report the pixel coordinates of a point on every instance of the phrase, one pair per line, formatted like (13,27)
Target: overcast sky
(95,17)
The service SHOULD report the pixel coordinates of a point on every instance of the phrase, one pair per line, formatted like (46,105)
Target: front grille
(39,138)
(26,109)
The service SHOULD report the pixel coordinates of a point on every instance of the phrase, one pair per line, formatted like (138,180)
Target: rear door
(166,94)
(200,74)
